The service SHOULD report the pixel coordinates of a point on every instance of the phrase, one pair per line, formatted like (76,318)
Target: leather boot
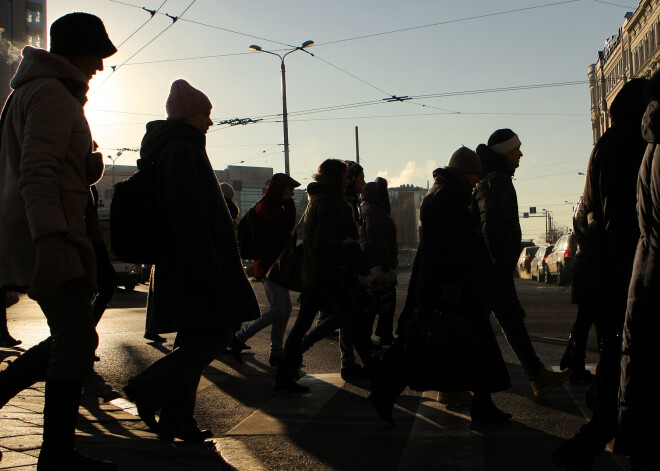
(60,414)
(26,370)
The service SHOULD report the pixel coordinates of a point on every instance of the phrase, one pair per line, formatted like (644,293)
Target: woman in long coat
(199,289)
(639,409)
(443,283)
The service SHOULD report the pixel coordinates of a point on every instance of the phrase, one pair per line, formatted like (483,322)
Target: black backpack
(134,223)
(247,235)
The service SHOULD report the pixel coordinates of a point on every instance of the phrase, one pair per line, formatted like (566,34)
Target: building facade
(633,52)
(22,23)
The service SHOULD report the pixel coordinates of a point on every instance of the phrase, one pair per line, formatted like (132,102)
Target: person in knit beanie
(186,103)
(496,202)
(466,162)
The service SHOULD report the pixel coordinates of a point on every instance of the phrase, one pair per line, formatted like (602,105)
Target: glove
(53,266)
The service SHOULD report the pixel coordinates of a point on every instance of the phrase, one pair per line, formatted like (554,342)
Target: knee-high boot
(60,414)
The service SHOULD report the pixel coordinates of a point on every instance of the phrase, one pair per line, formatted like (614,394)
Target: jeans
(511,317)
(73,331)
(278,315)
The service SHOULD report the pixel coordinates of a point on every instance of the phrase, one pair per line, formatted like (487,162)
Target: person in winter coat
(47,166)
(332,259)
(378,242)
(496,202)
(638,405)
(197,235)
(275,219)
(444,284)
(610,200)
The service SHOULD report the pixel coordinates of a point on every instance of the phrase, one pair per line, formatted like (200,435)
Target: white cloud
(412,173)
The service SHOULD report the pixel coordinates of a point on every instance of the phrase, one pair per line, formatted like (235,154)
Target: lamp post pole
(285,119)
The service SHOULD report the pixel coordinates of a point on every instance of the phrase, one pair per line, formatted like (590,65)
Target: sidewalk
(108,427)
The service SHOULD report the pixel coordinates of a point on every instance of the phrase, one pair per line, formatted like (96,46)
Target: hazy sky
(448,56)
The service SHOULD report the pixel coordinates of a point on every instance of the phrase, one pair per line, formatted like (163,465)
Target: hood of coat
(492,162)
(449,178)
(161,133)
(372,194)
(39,63)
(651,122)
(630,103)
(277,184)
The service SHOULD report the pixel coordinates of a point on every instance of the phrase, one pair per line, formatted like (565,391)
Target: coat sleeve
(49,121)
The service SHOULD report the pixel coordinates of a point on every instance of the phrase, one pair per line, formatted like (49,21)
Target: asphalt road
(333,427)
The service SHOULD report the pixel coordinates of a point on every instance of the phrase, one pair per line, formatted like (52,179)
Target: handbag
(286,271)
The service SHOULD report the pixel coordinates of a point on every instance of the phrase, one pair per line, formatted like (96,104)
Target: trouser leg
(27,369)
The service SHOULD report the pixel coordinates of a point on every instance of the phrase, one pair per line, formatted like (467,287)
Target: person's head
(506,143)
(466,162)
(81,39)
(281,186)
(355,177)
(186,103)
(227,190)
(630,103)
(334,170)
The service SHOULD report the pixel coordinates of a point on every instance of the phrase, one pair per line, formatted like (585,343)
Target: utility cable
(153,12)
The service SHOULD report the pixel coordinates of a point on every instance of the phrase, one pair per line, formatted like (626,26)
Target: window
(34,40)
(33,16)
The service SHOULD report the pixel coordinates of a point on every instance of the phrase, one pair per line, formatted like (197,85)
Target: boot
(484,410)
(546,380)
(7,341)
(383,403)
(26,370)
(570,355)
(60,414)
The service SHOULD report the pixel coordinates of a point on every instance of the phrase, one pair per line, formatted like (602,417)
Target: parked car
(559,264)
(525,259)
(537,269)
(130,274)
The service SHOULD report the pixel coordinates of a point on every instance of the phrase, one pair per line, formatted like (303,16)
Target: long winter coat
(639,406)
(46,167)
(445,261)
(378,231)
(275,220)
(199,283)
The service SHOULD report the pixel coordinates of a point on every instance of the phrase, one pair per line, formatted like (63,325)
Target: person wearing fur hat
(442,280)
(198,231)
(275,216)
(496,203)
(48,164)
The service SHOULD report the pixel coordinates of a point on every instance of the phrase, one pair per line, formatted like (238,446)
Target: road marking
(237,455)
(287,413)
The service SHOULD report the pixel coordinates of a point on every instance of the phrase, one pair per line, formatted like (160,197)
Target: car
(130,274)
(537,268)
(559,263)
(525,259)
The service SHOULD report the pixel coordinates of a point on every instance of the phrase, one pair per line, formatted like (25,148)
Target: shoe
(236,348)
(289,385)
(488,413)
(572,456)
(146,412)
(57,460)
(581,376)
(382,406)
(155,338)
(8,341)
(351,372)
(547,380)
(190,436)
(459,398)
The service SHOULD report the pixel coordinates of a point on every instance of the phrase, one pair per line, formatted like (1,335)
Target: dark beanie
(465,161)
(80,33)
(503,141)
(354,169)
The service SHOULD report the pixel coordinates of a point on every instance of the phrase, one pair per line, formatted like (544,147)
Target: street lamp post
(285,120)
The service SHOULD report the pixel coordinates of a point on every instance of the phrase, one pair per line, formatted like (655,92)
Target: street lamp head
(254,47)
(308,43)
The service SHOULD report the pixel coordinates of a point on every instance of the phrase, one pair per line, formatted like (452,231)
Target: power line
(153,12)
(517,10)
(614,4)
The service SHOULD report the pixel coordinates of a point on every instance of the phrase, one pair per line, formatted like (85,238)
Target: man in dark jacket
(198,233)
(275,219)
(496,202)
(610,200)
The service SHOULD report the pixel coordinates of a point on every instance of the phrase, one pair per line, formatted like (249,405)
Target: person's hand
(49,271)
